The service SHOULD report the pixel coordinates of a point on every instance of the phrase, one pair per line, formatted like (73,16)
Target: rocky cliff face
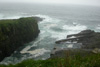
(16,32)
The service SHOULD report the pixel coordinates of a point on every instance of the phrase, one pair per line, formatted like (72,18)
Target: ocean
(59,21)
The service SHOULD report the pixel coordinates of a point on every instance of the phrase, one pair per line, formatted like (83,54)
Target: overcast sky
(83,2)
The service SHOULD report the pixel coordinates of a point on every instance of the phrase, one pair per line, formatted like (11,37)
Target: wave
(47,19)
(67,30)
(49,25)
(78,27)
(98,27)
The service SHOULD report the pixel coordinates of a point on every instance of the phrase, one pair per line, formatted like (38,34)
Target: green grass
(76,61)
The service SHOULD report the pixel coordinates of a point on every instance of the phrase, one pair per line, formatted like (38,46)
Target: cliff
(16,32)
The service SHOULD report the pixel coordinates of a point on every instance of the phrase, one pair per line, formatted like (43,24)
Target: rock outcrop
(38,18)
(90,44)
(88,38)
(15,33)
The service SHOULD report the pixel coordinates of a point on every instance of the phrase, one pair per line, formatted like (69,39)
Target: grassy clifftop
(92,60)
(16,32)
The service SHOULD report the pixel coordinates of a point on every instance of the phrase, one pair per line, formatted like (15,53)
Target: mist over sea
(60,21)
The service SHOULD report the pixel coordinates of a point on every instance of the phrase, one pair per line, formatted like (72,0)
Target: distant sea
(60,21)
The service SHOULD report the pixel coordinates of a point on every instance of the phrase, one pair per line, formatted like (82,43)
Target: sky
(80,2)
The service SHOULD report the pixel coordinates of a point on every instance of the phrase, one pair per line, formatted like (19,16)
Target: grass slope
(76,61)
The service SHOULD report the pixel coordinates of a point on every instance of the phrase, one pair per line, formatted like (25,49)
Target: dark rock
(88,38)
(38,19)
(82,33)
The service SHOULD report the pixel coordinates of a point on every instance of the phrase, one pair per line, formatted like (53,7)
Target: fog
(80,2)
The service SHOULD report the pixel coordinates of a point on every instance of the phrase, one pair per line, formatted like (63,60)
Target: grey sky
(83,2)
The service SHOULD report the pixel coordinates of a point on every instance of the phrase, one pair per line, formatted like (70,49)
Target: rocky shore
(89,39)
(15,33)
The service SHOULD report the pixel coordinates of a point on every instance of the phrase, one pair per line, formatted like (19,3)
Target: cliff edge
(16,32)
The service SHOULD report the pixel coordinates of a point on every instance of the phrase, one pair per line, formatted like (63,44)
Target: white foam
(47,24)
(47,19)
(29,47)
(67,30)
(72,37)
(59,35)
(36,52)
(68,42)
(50,25)
(70,46)
(25,49)
(74,23)
(98,27)
(74,42)
(74,28)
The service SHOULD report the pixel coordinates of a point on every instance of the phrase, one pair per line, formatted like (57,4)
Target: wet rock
(88,38)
